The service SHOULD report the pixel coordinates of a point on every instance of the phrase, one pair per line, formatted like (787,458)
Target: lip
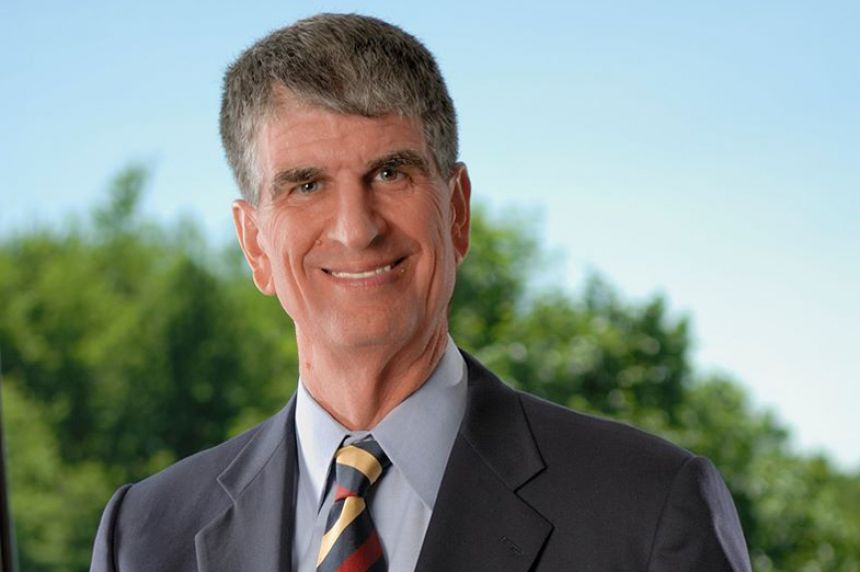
(368,274)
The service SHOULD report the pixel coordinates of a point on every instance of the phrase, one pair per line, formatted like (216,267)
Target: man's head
(356,214)
(341,62)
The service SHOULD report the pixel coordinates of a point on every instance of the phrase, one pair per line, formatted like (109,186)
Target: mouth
(365,273)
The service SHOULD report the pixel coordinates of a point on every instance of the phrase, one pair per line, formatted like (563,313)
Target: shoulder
(167,508)
(597,444)
(570,442)
(183,485)
(617,476)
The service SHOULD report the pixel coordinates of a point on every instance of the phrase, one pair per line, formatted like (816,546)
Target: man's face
(355,232)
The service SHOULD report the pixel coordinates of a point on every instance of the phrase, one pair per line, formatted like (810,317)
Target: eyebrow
(400,158)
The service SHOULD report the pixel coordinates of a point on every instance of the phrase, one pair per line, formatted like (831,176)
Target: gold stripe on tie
(360,460)
(352,507)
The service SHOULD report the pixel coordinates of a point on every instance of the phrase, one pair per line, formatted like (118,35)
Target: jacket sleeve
(103,548)
(699,527)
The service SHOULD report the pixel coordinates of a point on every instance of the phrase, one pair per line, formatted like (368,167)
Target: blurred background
(667,197)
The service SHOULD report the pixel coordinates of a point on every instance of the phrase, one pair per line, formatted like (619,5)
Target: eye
(389,174)
(308,187)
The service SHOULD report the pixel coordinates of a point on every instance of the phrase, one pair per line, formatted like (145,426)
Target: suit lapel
(255,532)
(479,522)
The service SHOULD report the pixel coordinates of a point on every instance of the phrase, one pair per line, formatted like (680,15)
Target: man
(398,452)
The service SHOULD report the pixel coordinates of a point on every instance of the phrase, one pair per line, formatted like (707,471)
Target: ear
(461,193)
(248,233)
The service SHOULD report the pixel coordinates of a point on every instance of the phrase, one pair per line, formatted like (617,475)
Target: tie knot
(357,467)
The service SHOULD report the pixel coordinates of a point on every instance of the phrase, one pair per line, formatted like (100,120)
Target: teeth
(358,275)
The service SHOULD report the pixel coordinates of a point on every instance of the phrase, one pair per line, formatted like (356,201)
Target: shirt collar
(417,435)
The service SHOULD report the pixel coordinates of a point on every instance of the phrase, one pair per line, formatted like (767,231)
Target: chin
(362,333)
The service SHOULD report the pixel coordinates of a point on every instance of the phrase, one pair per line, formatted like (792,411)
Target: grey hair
(345,63)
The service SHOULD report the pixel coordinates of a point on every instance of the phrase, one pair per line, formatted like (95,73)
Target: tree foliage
(128,345)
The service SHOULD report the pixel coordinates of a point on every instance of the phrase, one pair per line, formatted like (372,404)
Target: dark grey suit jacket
(529,486)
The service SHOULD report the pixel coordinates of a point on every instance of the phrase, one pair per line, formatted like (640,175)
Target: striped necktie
(351,543)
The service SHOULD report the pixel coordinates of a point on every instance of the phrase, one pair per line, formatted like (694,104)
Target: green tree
(127,345)
(55,503)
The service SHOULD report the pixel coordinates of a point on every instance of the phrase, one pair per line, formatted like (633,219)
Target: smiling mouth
(367,273)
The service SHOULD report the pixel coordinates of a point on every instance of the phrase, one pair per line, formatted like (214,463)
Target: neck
(360,387)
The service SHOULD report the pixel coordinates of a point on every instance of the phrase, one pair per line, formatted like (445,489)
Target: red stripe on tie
(364,556)
(341,493)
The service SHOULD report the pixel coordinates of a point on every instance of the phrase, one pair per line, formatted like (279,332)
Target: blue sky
(707,151)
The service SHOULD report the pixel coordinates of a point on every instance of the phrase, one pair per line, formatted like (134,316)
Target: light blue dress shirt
(417,436)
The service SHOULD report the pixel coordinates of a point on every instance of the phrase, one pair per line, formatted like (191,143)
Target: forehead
(297,133)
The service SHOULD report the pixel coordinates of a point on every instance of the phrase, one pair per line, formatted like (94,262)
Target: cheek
(282,247)
(439,241)
(432,213)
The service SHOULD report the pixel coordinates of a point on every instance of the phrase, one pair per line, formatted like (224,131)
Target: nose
(356,223)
